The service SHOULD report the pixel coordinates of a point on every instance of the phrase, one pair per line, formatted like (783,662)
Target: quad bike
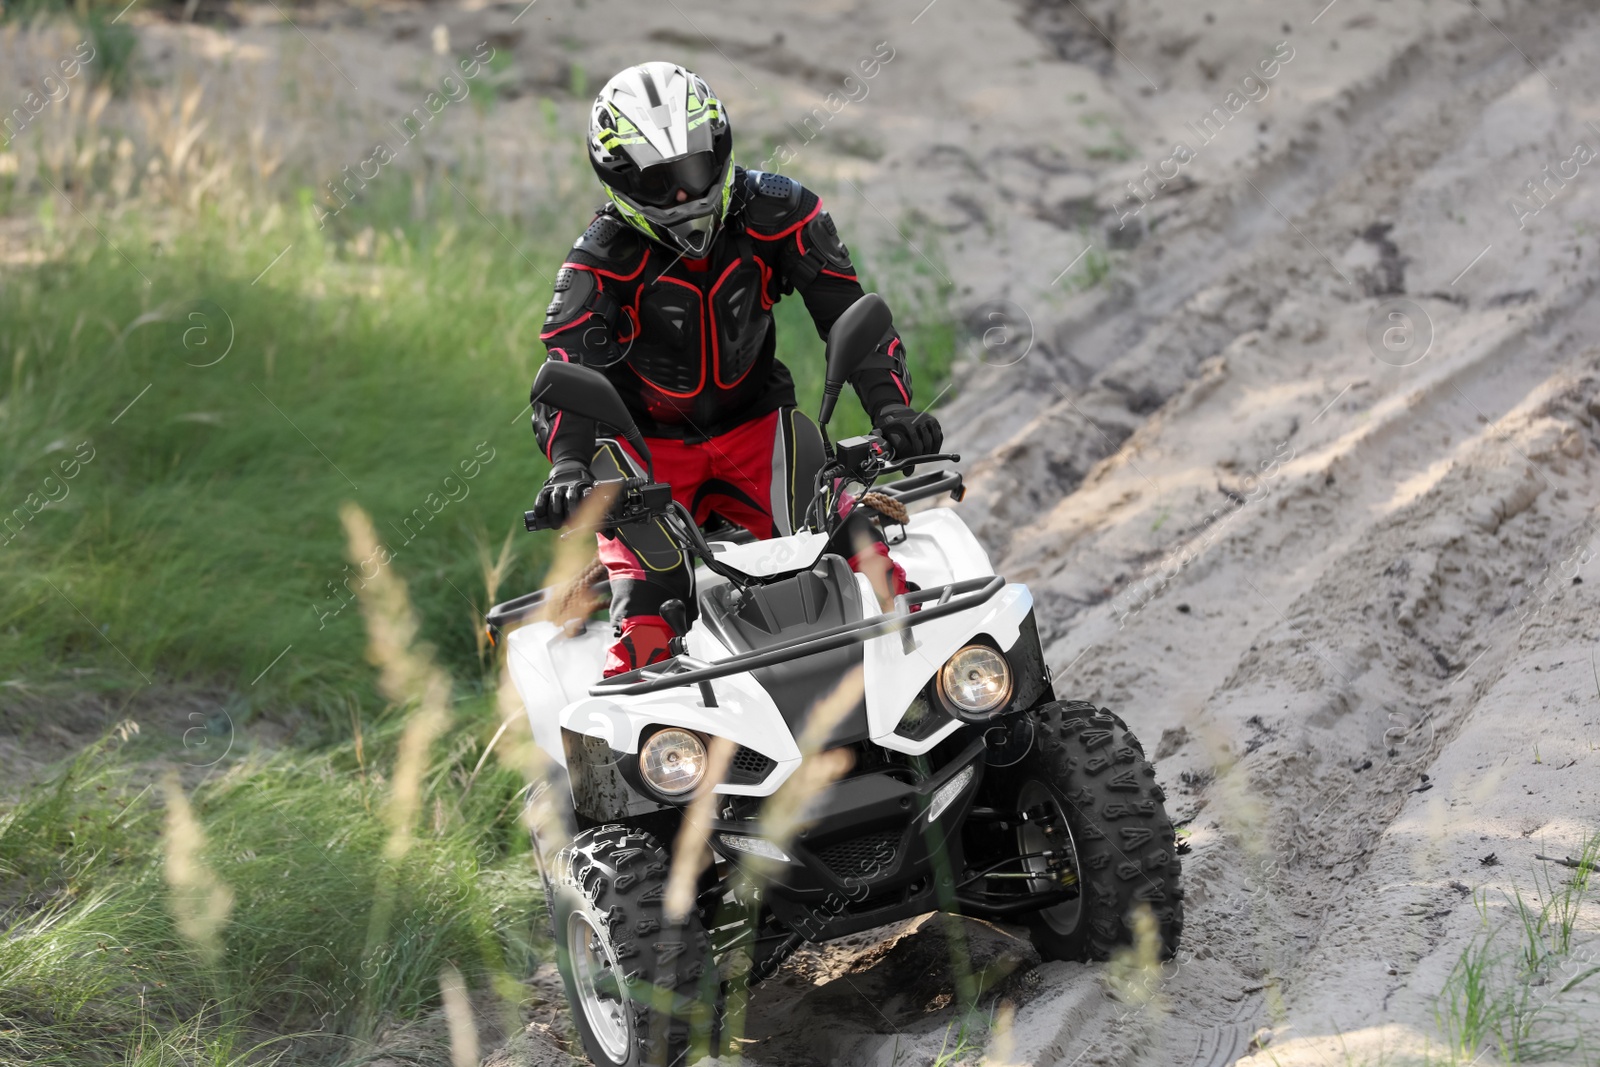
(971,788)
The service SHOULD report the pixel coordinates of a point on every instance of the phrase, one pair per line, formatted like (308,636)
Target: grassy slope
(200,541)
(202,537)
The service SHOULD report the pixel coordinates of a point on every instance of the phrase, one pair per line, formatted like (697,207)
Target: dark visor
(658,185)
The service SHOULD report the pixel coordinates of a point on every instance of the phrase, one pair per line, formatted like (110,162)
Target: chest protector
(703,331)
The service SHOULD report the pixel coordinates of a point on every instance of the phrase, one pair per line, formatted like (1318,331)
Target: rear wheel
(633,976)
(1091,801)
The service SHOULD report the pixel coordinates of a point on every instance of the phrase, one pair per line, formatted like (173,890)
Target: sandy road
(1339,587)
(1332,584)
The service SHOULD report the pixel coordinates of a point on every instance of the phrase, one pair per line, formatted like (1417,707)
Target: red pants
(761,476)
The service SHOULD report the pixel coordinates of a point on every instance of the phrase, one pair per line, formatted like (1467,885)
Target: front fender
(744,715)
(894,676)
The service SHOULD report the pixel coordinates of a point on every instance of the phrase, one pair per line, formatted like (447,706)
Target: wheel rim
(1052,833)
(594,974)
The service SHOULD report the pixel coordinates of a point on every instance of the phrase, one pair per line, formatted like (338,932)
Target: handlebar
(869,456)
(637,500)
(863,459)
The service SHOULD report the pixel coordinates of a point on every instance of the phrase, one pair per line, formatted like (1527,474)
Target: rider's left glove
(569,482)
(909,432)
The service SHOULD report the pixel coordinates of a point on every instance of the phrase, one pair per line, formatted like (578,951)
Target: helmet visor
(658,185)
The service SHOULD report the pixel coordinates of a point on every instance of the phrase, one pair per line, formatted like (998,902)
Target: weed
(114,45)
(1516,999)
(1118,149)
(967,1032)
(1096,269)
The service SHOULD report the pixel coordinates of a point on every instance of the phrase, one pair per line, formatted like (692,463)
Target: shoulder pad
(574,290)
(771,200)
(608,241)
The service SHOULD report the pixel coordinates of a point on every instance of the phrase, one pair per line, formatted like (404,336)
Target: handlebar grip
(637,498)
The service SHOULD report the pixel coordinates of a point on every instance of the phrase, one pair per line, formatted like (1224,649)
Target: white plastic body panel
(894,676)
(550,671)
(553,673)
(780,554)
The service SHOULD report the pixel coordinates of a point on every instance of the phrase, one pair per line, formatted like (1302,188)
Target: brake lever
(916,461)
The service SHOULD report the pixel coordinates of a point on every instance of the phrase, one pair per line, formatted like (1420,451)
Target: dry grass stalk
(458,1016)
(545,814)
(200,900)
(690,851)
(571,571)
(785,812)
(1002,1044)
(407,675)
(494,571)
(1134,975)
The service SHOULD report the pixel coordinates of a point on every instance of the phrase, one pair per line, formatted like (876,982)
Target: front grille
(933,719)
(749,767)
(861,858)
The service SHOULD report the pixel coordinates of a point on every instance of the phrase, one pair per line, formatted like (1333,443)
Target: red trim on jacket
(787,230)
(766,281)
(612,274)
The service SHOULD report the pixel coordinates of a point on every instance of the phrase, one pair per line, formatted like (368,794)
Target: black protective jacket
(689,343)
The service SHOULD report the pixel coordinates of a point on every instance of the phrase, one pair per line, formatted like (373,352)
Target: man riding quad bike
(669,293)
(832,752)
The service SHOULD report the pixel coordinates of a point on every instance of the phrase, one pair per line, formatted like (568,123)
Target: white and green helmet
(661,144)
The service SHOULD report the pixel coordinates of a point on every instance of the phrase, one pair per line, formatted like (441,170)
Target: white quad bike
(971,788)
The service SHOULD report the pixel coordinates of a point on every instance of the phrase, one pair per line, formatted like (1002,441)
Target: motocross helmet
(657,132)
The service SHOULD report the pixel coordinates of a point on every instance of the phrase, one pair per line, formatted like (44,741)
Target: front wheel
(633,976)
(1089,797)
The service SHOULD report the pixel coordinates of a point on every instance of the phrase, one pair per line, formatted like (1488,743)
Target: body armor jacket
(689,343)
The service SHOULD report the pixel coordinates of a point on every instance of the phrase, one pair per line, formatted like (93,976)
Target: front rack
(502,615)
(936,603)
(925,487)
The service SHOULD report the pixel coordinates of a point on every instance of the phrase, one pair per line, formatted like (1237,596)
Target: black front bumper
(869,855)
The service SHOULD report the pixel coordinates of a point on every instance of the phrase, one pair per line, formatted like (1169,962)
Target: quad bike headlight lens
(976,680)
(672,761)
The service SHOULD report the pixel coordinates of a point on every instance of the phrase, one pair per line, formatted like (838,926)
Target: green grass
(91,964)
(193,540)
(201,539)
(1522,999)
(114,43)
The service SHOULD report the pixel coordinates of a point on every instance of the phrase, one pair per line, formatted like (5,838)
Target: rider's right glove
(569,482)
(909,432)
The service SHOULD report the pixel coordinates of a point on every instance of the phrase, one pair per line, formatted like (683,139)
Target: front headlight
(976,681)
(672,761)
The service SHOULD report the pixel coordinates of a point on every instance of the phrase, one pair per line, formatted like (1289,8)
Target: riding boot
(888,578)
(641,641)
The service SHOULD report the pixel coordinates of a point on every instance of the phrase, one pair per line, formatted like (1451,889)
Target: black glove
(569,482)
(909,433)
